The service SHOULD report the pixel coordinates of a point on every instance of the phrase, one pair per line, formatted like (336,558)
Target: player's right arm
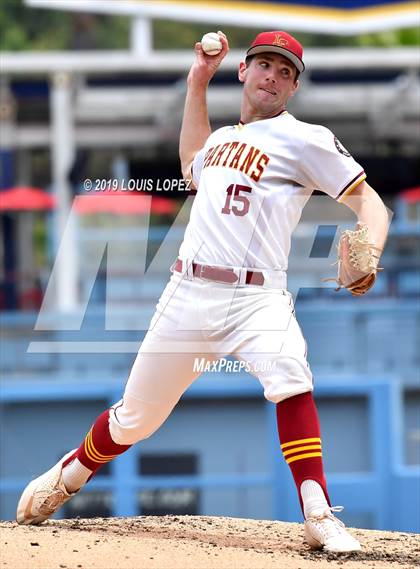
(195,128)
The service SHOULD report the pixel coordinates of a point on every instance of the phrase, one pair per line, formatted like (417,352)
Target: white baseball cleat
(43,496)
(325,531)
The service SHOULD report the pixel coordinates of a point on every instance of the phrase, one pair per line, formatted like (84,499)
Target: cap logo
(280,41)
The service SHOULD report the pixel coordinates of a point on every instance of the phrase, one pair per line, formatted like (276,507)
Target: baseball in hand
(211,43)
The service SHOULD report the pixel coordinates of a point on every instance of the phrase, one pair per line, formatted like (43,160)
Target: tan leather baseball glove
(357,261)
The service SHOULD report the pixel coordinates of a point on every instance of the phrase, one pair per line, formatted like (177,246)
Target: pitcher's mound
(188,542)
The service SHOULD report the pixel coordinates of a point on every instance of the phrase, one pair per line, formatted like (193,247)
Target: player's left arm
(359,250)
(326,164)
(371,211)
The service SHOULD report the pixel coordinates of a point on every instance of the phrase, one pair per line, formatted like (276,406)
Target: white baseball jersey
(253,182)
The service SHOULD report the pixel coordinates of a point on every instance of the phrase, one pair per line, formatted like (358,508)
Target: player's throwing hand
(205,66)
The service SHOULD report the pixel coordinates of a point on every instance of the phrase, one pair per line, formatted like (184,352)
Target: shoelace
(329,529)
(52,502)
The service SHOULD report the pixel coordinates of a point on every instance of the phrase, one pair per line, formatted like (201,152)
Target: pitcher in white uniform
(228,291)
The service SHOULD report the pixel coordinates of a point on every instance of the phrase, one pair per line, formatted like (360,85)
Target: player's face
(269,81)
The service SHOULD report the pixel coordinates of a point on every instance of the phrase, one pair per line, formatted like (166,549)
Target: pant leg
(159,383)
(269,339)
(164,366)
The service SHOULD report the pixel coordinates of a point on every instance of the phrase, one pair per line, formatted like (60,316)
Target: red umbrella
(25,198)
(121,203)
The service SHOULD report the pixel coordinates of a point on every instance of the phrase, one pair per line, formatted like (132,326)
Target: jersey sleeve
(327,166)
(197,167)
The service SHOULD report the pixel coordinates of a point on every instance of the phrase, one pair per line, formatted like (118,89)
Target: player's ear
(242,71)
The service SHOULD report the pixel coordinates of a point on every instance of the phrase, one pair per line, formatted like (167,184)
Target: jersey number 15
(241,203)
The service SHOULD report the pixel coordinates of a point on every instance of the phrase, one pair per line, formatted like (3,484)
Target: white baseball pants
(197,318)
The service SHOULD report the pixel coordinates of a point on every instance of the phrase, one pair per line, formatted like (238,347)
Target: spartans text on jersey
(244,157)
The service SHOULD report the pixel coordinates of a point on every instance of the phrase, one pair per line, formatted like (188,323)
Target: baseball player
(228,291)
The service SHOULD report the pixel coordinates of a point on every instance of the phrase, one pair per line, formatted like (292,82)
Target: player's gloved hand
(205,66)
(357,261)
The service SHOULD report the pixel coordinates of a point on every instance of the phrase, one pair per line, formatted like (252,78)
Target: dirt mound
(189,543)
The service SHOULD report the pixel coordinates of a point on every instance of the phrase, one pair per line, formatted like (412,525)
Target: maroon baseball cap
(279,42)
